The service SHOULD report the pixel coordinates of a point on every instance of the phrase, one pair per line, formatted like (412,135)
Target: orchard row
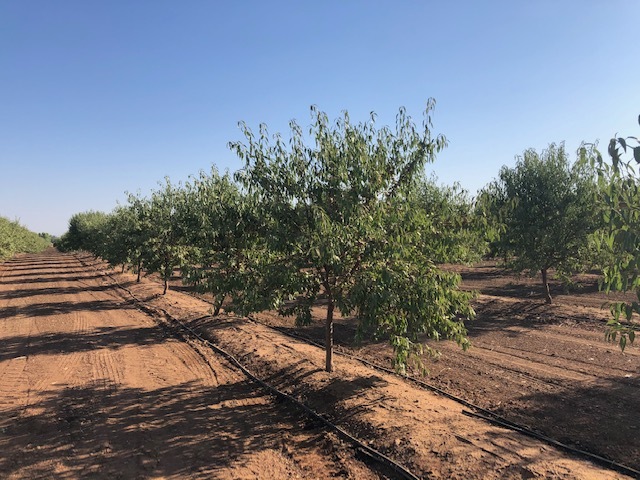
(350,218)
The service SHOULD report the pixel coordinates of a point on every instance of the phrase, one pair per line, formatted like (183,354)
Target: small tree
(85,232)
(163,248)
(330,213)
(124,234)
(220,228)
(546,207)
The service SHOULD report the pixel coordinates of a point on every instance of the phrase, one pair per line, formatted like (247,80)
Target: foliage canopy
(546,211)
(343,217)
(14,238)
(620,193)
(339,227)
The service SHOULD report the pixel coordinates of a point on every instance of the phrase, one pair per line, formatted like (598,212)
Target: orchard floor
(547,367)
(92,387)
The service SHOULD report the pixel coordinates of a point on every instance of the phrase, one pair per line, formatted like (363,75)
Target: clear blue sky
(99,98)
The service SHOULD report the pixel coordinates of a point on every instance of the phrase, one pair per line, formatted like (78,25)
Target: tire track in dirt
(102,391)
(583,369)
(11,380)
(106,369)
(501,358)
(572,343)
(12,371)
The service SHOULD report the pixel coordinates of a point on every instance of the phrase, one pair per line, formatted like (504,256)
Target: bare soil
(90,386)
(547,367)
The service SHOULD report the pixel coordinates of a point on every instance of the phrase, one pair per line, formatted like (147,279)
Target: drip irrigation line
(360,446)
(591,456)
(379,456)
(480,412)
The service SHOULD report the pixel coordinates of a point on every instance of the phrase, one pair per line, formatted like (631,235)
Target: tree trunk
(139,269)
(217,305)
(329,336)
(545,283)
(166,275)
(122,268)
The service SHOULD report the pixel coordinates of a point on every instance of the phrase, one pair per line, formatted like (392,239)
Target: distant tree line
(15,238)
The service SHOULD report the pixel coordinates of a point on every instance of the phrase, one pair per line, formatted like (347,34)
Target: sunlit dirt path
(91,387)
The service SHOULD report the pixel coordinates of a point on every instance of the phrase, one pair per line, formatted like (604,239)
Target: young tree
(84,233)
(124,235)
(620,192)
(334,227)
(163,249)
(220,228)
(546,207)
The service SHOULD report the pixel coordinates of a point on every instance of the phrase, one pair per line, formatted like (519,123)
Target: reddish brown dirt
(547,367)
(91,387)
(424,431)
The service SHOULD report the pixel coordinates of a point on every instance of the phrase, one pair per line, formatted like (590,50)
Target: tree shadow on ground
(483,273)
(321,394)
(62,308)
(36,267)
(25,279)
(33,292)
(176,431)
(601,418)
(41,261)
(31,273)
(79,341)
(506,283)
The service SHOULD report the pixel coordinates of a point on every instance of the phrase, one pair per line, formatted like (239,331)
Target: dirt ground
(546,367)
(90,386)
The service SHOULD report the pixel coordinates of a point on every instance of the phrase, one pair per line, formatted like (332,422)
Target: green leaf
(623,142)
(636,154)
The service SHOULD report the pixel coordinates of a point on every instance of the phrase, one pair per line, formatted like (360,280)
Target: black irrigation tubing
(360,446)
(591,456)
(371,452)
(480,412)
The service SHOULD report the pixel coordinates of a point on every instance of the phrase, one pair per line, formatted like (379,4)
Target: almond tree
(164,247)
(456,233)
(546,207)
(125,234)
(85,232)
(220,230)
(334,229)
